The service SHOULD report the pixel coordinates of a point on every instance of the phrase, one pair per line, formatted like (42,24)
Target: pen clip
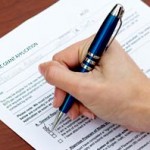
(111,40)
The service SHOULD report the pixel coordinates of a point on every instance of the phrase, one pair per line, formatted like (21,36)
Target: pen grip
(68,102)
(69,99)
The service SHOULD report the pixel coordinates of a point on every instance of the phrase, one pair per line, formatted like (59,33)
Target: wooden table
(13,13)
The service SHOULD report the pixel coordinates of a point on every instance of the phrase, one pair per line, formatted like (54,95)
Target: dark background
(13,13)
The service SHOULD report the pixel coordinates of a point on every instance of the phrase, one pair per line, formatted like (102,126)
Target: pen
(100,43)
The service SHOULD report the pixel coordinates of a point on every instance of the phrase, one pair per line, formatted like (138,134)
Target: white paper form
(25,97)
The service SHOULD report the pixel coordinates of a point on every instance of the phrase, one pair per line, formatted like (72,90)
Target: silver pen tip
(57,119)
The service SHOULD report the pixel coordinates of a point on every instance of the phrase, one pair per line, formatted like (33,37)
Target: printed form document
(25,97)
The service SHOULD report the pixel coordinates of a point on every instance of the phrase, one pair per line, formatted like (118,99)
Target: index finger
(73,55)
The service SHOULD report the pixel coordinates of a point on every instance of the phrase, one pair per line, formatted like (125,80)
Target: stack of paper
(25,97)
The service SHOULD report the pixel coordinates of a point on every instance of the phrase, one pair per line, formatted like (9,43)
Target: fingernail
(89,115)
(41,69)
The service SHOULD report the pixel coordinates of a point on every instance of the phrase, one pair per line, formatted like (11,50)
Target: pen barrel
(69,99)
(104,35)
(67,104)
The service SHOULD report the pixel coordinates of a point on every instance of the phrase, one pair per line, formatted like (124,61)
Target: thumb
(63,78)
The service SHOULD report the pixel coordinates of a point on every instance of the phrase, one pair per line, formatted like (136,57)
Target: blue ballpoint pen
(100,43)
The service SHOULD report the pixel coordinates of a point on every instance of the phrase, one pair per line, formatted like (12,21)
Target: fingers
(86,112)
(69,56)
(58,75)
(74,111)
(77,108)
(74,54)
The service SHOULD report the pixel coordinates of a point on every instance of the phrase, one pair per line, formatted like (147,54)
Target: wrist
(141,106)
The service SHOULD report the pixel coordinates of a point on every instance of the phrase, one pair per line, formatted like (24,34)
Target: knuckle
(56,57)
(59,57)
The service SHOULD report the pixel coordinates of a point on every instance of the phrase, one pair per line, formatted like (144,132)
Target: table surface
(13,13)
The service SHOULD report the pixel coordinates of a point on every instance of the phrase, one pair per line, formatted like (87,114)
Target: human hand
(116,90)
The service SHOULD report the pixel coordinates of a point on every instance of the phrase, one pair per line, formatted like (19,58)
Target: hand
(116,90)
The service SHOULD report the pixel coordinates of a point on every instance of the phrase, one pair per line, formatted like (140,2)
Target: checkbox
(60,140)
(51,133)
(54,135)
